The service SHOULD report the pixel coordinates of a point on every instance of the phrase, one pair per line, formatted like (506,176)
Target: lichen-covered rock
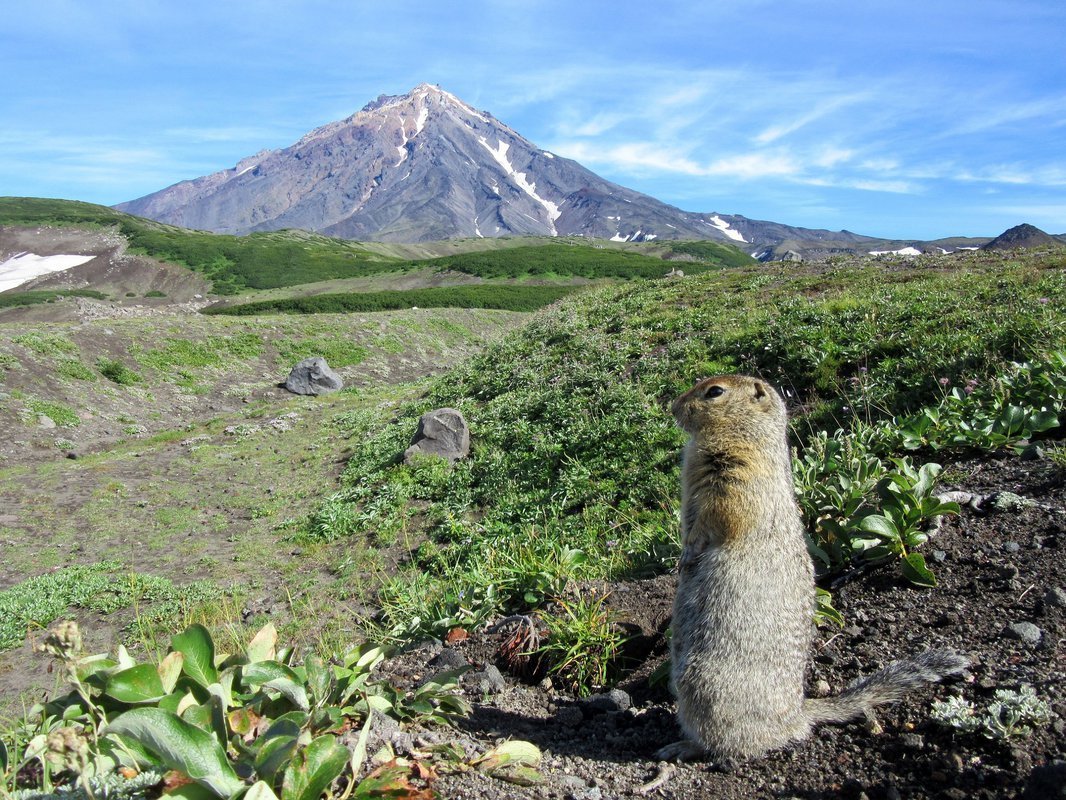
(442,432)
(313,376)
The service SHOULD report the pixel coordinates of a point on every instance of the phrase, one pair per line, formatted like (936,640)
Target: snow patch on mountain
(725,228)
(903,251)
(499,154)
(23,267)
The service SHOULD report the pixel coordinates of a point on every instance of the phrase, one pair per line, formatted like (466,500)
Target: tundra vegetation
(889,365)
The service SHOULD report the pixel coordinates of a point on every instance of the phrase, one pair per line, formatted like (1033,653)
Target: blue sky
(894,119)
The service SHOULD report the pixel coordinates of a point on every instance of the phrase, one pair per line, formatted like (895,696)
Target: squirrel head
(732,410)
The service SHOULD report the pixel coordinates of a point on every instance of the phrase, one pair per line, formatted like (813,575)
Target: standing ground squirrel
(745,594)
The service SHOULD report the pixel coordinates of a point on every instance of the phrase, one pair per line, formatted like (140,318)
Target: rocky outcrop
(313,376)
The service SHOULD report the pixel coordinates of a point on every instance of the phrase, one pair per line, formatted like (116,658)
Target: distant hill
(295,258)
(1024,235)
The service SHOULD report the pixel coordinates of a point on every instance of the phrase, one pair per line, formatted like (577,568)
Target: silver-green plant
(1011,713)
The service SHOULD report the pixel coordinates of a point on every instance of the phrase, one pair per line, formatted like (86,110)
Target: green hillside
(293,258)
(587,261)
(573,473)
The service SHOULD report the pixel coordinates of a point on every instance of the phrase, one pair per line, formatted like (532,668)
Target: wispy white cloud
(821,109)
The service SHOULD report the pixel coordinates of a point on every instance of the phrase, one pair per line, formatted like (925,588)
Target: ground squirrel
(745,595)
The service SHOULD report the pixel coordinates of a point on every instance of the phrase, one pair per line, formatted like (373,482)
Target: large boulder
(313,376)
(442,432)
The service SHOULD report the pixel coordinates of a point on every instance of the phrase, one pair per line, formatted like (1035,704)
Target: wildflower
(1043,301)
(944,381)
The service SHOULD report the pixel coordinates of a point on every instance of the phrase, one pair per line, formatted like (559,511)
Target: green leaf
(140,684)
(260,791)
(916,572)
(170,670)
(319,678)
(263,646)
(880,526)
(180,746)
(1044,420)
(273,754)
(199,651)
(273,675)
(313,769)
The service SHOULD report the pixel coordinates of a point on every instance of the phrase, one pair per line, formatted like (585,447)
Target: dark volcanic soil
(995,567)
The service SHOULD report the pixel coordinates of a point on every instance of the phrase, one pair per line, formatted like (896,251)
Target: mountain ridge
(427,166)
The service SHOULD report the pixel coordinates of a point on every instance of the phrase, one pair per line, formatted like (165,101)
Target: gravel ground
(1000,599)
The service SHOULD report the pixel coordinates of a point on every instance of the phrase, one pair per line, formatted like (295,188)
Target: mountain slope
(425,166)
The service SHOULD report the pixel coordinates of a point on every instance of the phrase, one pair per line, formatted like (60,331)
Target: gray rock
(614,700)
(1056,597)
(449,658)
(1047,782)
(1024,631)
(45,421)
(488,681)
(443,433)
(313,376)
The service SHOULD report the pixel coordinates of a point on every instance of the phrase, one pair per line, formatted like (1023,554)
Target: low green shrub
(117,372)
(506,297)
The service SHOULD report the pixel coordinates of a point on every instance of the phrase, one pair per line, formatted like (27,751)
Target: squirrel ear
(760,390)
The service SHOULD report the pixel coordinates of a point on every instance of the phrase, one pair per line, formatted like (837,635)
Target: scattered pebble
(1055,597)
(614,700)
(1024,631)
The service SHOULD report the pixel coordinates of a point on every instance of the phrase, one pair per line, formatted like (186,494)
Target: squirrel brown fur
(742,624)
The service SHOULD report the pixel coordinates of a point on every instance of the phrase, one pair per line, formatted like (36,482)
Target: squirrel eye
(713,391)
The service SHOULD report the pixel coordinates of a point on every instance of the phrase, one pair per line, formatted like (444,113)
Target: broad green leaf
(916,572)
(263,646)
(313,769)
(170,670)
(191,791)
(171,702)
(272,675)
(199,651)
(140,684)
(879,526)
(180,746)
(260,791)
(273,754)
(319,678)
(1044,420)
(513,752)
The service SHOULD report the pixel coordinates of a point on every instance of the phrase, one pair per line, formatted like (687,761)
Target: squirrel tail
(885,686)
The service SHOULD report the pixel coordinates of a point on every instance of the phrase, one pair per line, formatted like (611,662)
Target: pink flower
(944,381)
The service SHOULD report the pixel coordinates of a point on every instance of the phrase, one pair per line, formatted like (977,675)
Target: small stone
(612,701)
(1024,631)
(821,688)
(1055,597)
(939,556)
(1007,571)
(46,422)
(1012,547)
(488,681)
(913,741)
(449,658)
(72,455)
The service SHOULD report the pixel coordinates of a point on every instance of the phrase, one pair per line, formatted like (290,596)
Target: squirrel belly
(742,622)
